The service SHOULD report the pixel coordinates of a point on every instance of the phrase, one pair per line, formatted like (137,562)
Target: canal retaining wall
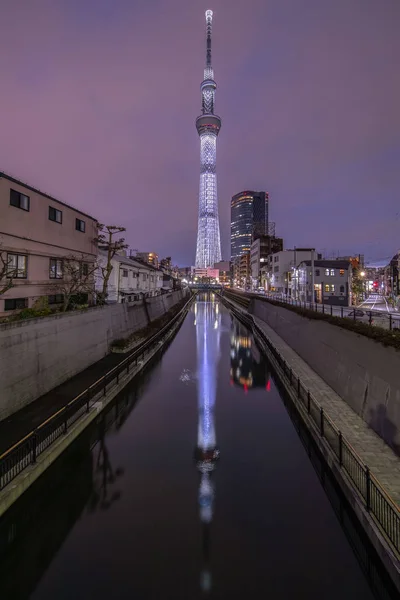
(36,355)
(362,372)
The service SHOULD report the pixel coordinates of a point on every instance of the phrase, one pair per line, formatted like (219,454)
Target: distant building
(261,249)
(242,271)
(150,258)
(204,274)
(249,220)
(130,280)
(279,273)
(38,234)
(166,264)
(392,277)
(224,272)
(332,282)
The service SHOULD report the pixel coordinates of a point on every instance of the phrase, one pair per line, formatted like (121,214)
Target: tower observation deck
(208,249)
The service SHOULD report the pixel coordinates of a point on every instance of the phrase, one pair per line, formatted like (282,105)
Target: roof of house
(328,264)
(37,191)
(129,261)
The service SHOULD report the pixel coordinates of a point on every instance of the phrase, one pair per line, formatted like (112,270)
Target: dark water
(196,484)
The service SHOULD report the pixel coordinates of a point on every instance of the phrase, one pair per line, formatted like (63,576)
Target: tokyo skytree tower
(208,250)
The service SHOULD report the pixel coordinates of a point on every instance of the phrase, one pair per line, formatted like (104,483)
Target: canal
(196,483)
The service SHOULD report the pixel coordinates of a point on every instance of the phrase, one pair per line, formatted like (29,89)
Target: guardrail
(25,452)
(379,318)
(377,501)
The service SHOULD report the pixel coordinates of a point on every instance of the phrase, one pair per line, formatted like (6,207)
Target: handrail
(84,394)
(387,516)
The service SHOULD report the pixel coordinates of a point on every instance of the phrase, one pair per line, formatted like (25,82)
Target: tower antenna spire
(209,16)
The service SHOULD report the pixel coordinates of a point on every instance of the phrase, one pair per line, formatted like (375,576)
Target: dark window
(55,215)
(16,266)
(56,299)
(84,269)
(56,268)
(19,200)
(317,272)
(80,225)
(124,272)
(342,289)
(15,303)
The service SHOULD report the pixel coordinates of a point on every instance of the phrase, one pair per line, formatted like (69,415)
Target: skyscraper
(249,220)
(208,250)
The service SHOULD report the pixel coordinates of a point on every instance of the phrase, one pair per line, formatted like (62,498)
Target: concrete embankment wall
(38,354)
(363,372)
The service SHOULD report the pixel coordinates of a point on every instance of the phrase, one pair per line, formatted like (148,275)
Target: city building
(332,282)
(151,258)
(209,274)
(279,273)
(224,272)
(166,264)
(249,220)
(38,235)
(392,277)
(261,249)
(241,267)
(130,280)
(208,125)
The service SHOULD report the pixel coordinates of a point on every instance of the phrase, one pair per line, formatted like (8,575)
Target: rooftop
(37,191)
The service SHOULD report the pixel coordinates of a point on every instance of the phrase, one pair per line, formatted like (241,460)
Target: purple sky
(99,97)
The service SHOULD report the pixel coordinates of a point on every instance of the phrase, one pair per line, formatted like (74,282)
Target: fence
(25,452)
(378,318)
(377,502)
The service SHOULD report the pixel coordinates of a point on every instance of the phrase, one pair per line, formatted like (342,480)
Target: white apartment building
(332,282)
(130,280)
(279,274)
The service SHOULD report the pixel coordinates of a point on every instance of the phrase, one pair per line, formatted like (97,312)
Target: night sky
(99,98)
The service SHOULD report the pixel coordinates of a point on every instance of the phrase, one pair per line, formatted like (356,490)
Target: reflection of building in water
(208,327)
(247,367)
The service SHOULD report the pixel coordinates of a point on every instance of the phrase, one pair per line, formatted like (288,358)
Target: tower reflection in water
(208,331)
(247,367)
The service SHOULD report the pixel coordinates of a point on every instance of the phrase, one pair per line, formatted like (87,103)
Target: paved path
(374,452)
(19,424)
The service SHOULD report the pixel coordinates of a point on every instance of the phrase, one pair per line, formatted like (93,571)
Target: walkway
(16,426)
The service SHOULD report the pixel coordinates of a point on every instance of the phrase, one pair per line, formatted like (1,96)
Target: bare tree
(77,278)
(6,274)
(105,240)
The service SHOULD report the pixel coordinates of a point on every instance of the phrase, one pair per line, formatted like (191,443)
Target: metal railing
(25,452)
(377,501)
(377,318)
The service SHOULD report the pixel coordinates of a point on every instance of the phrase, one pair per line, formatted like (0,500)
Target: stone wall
(36,355)
(363,372)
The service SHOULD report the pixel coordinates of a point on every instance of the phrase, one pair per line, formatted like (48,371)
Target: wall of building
(39,354)
(363,372)
(33,234)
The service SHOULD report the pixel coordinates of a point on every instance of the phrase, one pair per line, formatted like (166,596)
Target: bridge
(205,286)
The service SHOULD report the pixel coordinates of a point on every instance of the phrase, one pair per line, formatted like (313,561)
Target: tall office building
(249,220)
(208,250)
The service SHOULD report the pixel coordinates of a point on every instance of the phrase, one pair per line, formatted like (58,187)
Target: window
(80,225)
(55,215)
(56,268)
(84,269)
(327,287)
(342,289)
(124,272)
(16,266)
(327,272)
(19,200)
(341,272)
(15,303)
(332,272)
(332,287)
(317,272)
(276,269)
(56,299)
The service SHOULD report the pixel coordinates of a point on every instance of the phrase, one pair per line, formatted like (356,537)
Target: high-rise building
(208,250)
(249,220)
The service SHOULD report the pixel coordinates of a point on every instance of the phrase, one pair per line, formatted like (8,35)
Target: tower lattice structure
(208,250)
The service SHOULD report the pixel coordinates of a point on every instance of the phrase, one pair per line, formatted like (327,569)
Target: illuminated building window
(327,272)
(332,287)
(341,272)
(327,287)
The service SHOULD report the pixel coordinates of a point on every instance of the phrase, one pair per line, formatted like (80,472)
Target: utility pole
(294,273)
(312,276)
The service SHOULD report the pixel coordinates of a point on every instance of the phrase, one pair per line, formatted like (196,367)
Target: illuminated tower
(208,250)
